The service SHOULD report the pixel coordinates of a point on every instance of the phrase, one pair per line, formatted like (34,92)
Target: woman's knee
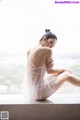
(67,75)
(63,77)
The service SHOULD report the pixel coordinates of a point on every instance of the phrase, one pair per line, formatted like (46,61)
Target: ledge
(54,99)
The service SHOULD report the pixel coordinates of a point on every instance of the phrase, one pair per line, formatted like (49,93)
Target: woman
(39,62)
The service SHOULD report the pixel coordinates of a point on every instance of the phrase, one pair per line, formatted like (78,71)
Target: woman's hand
(50,64)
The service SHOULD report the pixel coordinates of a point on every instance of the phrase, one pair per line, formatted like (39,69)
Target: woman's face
(50,43)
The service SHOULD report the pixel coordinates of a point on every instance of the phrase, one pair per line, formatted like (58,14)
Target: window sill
(54,99)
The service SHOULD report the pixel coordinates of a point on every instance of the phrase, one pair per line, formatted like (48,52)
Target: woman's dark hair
(48,35)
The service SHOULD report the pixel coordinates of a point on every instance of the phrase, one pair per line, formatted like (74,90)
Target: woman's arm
(49,65)
(49,61)
(55,71)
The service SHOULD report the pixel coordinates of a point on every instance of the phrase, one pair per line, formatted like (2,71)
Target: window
(22,23)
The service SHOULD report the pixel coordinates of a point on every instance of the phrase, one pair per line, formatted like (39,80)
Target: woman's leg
(63,77)
(67,77)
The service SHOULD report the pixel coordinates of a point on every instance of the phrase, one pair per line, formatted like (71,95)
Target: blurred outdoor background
(22,24)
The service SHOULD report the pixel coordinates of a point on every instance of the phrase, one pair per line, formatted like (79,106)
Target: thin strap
(30,57)
(32,61)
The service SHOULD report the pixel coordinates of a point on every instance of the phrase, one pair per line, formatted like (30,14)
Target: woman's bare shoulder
(47,49)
